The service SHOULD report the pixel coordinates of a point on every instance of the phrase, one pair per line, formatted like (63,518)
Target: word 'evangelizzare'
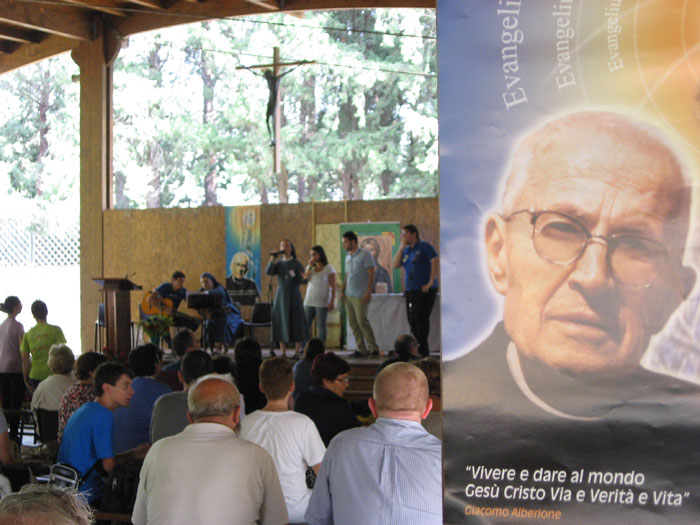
(511,37)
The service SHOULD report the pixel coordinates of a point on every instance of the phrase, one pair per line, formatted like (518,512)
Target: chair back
(262,313)
(48,425)
(64,476)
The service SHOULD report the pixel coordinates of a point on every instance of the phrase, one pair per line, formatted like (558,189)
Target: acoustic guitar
(165,308)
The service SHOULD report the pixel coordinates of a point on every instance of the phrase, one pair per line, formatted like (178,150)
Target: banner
(569,149)
(243,253)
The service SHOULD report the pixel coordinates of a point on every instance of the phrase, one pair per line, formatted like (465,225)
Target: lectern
(117,312)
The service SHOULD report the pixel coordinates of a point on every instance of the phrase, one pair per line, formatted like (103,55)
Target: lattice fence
(21,247)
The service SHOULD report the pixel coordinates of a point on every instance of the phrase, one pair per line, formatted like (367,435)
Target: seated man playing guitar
(166,299)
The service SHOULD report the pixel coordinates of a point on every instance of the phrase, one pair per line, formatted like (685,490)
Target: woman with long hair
(288,323)
(11,378)
(320,293)
(221,325)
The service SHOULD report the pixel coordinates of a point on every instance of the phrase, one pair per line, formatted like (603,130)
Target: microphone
(275,254)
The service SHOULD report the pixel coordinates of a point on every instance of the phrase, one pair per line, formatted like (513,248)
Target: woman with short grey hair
(47,395)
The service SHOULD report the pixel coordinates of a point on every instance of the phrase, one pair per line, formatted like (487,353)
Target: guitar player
(167,298)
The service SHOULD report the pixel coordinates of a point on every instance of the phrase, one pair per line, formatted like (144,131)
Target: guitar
(165,305)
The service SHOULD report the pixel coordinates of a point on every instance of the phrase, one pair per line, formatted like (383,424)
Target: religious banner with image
(243,254)
(570,253)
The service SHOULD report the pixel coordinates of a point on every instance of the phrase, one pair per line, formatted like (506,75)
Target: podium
(117,312)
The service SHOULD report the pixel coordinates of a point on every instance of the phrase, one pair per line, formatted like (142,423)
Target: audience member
(48,394)
(288,322)
(45,505)
(302,368)
(248,356)
(16,475)
(225,368)
(183,341)
(405,348)
(320,292)
(36,342)
(87,443)
(389,472)
(82,391)
(11,378)
(170,410)
(206,473)
(291,438)
(431,368)
(324,402)
(133,422)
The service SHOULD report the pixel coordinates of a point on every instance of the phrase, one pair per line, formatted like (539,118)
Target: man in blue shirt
(356,293)
(389,472)
(421,265)
(175,292)
(87,443)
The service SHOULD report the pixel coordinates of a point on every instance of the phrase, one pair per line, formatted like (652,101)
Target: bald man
(587,252)
(389,472)
(207,474)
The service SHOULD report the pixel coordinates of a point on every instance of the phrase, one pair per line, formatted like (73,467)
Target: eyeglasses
(343,379)
(559,239)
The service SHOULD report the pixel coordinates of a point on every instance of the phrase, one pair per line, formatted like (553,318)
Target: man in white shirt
(290,437)
(207,474)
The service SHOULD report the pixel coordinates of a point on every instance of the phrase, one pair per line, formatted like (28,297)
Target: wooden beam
(22,36)
(7,47)
(153,4)
(32,16)
(184,12)
(27,54)
(101,6)
(264,5)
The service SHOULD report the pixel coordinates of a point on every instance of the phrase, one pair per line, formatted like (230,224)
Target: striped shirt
(389,472)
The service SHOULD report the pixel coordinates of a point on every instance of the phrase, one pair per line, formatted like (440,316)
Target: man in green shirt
(37,342)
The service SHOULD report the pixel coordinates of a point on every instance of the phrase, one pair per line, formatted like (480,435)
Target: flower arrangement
(156,326)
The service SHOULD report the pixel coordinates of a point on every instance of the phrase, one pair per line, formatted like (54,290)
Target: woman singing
(320,294)
(221,324)
(288,324)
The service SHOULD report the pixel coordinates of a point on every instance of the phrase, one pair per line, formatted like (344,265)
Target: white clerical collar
(516,372)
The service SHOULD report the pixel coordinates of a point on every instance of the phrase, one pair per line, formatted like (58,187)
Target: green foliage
(359,123)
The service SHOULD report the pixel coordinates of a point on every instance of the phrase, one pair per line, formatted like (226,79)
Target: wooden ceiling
(31,30)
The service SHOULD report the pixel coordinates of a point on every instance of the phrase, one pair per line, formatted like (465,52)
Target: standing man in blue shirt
(175,292)
(389,472)
(356,293)
(421,265)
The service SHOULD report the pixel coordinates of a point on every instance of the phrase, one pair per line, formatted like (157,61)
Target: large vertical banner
(570,140)
(243,253)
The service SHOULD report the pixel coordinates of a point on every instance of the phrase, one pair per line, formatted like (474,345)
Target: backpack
(119,494)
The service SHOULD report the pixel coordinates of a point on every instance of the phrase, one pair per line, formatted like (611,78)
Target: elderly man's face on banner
(588,249)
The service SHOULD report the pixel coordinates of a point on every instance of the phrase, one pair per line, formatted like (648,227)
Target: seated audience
(46,505)
(302,368)
(36,342)
(324,402)
(133,422)
(48,394)
(291,438)
(87,443)
(206,473)
(405,348)
(170,410)
(225,368)
(248,357)
(82,391)
(184,341)
(389,472)
(431,368)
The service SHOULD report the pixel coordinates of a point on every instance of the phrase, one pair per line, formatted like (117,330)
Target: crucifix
(273,76)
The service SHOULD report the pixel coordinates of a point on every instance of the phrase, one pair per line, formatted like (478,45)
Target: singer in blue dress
(288,322)
(221,325)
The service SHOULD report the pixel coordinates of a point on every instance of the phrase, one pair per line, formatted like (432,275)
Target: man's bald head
(213,397)
(401,389)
